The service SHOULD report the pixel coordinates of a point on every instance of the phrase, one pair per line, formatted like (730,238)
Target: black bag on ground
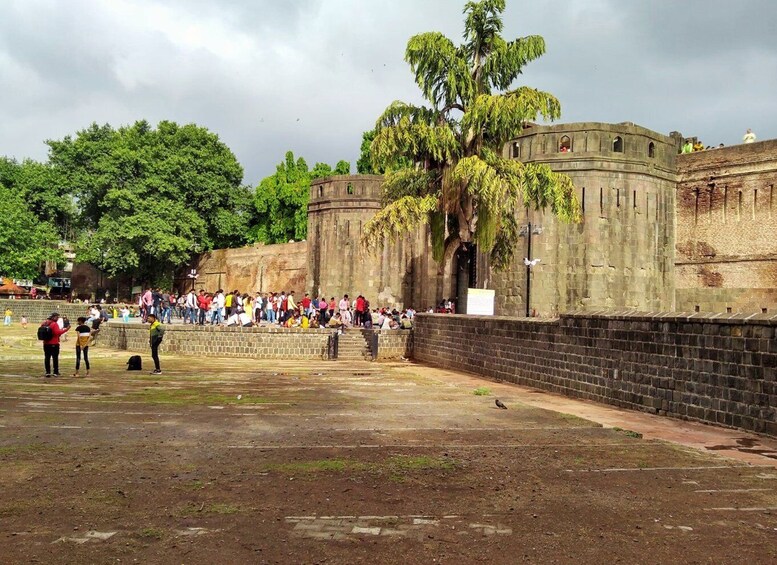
(134,363)
(45,332)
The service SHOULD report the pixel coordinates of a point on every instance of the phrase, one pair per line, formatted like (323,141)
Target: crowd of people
(235,308)
(692,147)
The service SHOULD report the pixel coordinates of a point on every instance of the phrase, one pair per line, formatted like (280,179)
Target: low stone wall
(217,341)
(394,344)
(713,368)
(38,310)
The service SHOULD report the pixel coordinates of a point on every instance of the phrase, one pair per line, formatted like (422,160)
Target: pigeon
(530,262)
(500,404)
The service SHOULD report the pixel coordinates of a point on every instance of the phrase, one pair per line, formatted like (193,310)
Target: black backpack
(45,332)
(134,363)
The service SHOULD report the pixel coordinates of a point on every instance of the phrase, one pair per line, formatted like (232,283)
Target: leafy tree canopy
(25,241)
(281,200)
(460,184)
(45,195)
(365,166)
(149,198)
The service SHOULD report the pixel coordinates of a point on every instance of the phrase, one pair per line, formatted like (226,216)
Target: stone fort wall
(727,229)
(256,268)
(403,273)
(622,254)
(38,310)
(660,232)
(720,369)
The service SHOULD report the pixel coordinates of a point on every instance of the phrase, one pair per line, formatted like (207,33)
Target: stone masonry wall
(393,344)
(727,229)
(257,268)
(38,310)
(401,274)
(719,369)
(621,256)
(217,341)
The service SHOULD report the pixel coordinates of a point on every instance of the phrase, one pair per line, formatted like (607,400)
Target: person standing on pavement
(51,345)
(155,335)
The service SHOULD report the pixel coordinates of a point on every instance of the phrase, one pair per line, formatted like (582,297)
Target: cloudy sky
(312,75)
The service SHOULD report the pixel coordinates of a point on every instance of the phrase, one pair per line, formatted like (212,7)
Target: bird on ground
(500,404)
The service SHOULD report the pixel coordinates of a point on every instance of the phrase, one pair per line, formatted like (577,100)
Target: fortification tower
(622,254)
(402,273)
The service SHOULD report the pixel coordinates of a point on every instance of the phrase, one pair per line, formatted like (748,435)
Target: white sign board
(480,301)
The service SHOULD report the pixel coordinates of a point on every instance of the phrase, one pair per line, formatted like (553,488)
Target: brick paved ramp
(239,461)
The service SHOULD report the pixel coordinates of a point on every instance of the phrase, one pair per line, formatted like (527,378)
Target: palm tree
(460,184)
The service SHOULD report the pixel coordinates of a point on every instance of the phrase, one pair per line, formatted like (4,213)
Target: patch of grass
(28,449)
(482,391)
(223,508)
(396,466)
(321,465)
(628,433)
(423,463)
(151,533)
(578,421)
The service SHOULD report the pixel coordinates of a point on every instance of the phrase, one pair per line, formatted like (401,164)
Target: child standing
(7,319)
(83,333)
(24,322)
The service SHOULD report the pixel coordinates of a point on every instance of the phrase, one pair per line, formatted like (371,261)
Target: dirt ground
(241,461)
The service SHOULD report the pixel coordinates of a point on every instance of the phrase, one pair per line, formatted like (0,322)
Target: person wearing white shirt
(749,136)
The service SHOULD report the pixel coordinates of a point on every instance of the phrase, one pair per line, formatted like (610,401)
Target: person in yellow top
(7,319)
(83,334)
(155,334)
(305,323)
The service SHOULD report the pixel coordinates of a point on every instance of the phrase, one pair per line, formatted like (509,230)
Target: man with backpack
(49,332)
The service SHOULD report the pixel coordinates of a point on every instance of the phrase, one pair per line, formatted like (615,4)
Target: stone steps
(353,345)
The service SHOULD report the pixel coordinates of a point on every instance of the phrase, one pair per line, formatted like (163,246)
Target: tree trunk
(450,248)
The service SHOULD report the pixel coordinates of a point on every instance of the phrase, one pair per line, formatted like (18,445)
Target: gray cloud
(312,75)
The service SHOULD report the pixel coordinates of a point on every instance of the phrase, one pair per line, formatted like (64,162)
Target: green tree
(39,186)
(460,184)
(150,198)
(364,166)
(364,163)
(281,200)
(342,168)
(26,242)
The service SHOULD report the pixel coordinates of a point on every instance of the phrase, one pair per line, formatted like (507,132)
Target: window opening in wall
(617,144)
(634,199)
(601,200)
(739,206)
(321,191)
(516,150)
(618,198)
(651,150)
(755,201)
(349,188)
(582,200)
(696,208)
(764,310)
(728,310)
(696,308)
(565,145)
(771,199)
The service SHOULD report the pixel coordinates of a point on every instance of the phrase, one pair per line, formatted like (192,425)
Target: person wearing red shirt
(358,318)
(306,304)
(203,303)
(51,345)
